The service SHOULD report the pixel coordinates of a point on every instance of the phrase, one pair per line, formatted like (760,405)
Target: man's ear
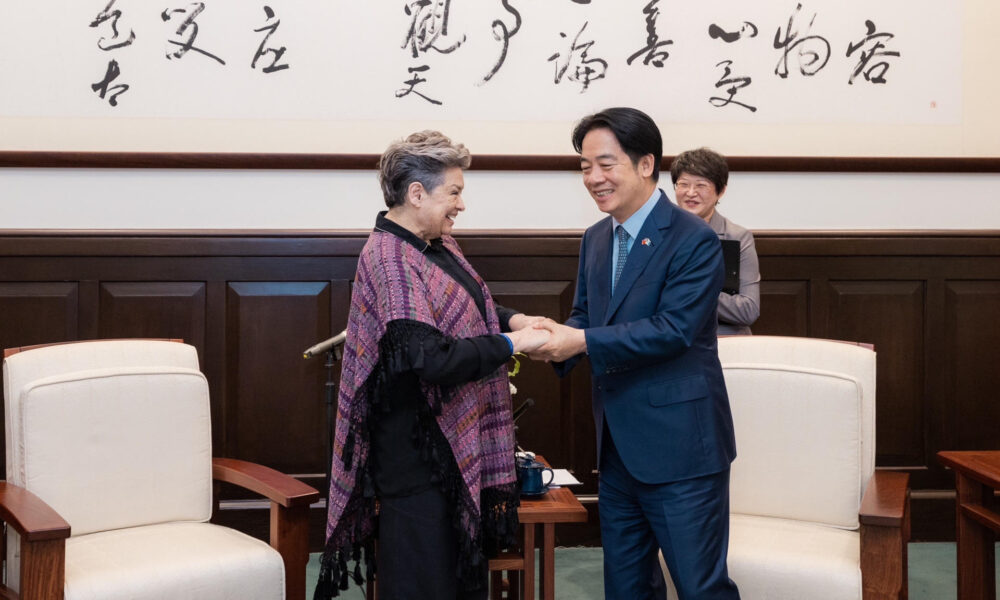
(646,163)
(415,193)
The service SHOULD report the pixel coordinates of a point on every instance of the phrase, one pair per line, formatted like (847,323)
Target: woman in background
(423,416)
(700,178)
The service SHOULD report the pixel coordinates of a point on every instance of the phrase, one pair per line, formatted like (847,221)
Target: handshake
(542,338)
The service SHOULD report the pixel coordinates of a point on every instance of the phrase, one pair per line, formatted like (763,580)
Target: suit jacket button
(599,387)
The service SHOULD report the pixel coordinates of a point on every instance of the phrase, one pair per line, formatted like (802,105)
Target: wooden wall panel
(971,365)
(273,409)
(890,315)
(38,312)
(784,308)
(157,309)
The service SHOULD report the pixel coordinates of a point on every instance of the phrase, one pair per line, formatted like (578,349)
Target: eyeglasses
(699,187)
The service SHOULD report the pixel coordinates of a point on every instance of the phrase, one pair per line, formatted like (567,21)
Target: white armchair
(109,483)
(810,517)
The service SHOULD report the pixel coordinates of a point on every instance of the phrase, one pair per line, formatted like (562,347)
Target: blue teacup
(529,475)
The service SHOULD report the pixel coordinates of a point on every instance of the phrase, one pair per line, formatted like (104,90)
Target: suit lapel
(645,246)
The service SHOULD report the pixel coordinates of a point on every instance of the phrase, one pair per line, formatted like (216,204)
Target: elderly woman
(700,178)
(423,417)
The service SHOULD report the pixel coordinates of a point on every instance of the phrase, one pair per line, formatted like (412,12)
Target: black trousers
(418,550)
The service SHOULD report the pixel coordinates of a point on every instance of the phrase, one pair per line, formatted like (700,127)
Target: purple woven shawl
(468,433)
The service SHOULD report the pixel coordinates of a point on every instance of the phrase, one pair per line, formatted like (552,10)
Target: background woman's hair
(702,162)
(423,156)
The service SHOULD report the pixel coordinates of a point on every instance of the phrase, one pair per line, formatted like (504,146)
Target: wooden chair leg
(514,585)
(290,537)
(43,569)
(496,585)
(883,563)
(885,533)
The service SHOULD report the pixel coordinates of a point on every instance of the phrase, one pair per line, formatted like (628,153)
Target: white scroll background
(348,60)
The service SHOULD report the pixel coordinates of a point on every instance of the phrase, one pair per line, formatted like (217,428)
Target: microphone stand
(333,354)
(517,414)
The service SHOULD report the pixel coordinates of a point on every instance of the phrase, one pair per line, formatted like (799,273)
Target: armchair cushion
(207,562)
(25,367)
(798,431)
(772,558)
(829,355)
(76,463)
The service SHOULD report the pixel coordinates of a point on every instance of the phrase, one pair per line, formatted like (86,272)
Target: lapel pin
(646,242)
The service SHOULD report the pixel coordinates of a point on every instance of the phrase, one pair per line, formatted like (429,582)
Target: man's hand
(565,342)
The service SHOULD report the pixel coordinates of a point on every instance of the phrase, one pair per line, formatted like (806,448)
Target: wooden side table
(558,505)
(977,475)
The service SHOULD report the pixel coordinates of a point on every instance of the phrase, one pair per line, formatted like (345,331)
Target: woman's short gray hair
(423,157)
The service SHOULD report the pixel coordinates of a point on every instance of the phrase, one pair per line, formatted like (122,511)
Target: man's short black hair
(635,131)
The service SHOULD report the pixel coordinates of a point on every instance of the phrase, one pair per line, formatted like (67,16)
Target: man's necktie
(622,254)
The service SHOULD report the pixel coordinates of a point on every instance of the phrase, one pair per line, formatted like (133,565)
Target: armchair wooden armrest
(273,485)
(290,500)
(885,532)
(43,543)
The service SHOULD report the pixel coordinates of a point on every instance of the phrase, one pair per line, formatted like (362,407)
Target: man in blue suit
(645,314)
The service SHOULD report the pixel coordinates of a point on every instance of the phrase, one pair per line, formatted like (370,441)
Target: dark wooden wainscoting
(250,302)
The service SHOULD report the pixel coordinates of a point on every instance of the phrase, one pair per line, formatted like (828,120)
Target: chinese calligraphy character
(429,23)
(653,44)
(102,87)
(747,30)
(585,69)
(876,72)
(108,15)
(737,84)
(502,34)
(413,82)
(188,24)
(813,50)
(276,53)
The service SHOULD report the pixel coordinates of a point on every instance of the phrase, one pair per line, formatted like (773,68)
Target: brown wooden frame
(484,162)
(43,532)
(885,533)
(977,522)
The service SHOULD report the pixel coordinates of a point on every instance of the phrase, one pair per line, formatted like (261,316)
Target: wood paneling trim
(484,162)
(860,243)
(478,243)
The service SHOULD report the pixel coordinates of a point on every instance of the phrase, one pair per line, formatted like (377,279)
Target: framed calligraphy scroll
(287,83)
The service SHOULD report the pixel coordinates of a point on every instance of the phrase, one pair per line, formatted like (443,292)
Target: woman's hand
(528,339)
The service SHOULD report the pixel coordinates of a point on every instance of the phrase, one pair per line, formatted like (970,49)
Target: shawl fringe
(479,535)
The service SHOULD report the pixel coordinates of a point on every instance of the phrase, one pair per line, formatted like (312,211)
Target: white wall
(243,199)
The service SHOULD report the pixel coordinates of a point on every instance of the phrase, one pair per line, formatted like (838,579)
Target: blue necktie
(622,254)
